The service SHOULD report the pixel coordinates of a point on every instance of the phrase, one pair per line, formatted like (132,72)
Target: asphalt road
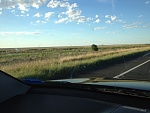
(138,68)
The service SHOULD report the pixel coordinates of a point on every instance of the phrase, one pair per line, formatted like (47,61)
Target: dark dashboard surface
(18,97)
(39,103)
(44,103)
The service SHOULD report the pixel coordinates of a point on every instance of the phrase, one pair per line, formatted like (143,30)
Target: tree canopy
(94,47)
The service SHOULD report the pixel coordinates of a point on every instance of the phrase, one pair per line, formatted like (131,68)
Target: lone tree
(94,47)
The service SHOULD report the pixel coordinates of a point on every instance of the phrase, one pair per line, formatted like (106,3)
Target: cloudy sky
(34,23)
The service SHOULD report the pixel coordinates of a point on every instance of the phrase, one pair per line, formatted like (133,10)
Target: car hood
(134,84)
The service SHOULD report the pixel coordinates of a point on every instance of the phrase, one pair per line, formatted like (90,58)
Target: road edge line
(131,69)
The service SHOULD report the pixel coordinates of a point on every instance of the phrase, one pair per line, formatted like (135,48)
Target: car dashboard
(19,97)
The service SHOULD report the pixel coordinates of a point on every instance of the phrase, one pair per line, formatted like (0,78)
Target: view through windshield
(65,39)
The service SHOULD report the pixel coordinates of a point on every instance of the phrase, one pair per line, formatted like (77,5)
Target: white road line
(146,54)
(131,69)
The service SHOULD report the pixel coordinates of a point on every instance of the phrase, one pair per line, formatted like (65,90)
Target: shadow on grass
(69,72)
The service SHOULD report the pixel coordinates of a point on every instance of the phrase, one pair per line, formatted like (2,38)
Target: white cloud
(140,16)
(75,15)
(133,25)
(108,22)
(13,6)
(13,11)
(96,16)
(98,21)
(136,25)
(107,16)
(113,32)
(120,21)
(38,3)
(22,15)
(146,26)
(63,4)
(99,28)
(38,21)
(147,2)
(48,15)
(89,19)
(60,16)
(74,5)
(19,33)
(0,13)
(22,4)
(79,19)
(61,20)
(71,14)
(0,8)
(44,22)
(35,5)
(22,7)
(53,3)
(113,17)
(96,28)
(37,15)
(22,12)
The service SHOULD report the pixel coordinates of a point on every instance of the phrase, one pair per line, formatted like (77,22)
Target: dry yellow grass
(38,67)
(95,54)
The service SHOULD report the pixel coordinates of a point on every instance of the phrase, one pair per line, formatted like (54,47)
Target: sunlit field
(63,62)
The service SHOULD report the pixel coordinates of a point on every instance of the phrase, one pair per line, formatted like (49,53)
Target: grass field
(63,62)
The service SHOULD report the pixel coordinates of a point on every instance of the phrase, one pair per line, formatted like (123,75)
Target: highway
(138,68)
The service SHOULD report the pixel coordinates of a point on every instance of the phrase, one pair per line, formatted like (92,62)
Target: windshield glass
(66,39)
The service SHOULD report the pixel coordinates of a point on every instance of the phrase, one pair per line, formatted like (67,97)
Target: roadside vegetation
(94,47)
(64,62)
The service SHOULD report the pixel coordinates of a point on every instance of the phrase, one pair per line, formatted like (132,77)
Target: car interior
(19,97)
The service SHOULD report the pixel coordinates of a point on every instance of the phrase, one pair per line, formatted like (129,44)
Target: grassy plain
(63,62)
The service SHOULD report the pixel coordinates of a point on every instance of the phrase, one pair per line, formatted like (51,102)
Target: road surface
(138,68)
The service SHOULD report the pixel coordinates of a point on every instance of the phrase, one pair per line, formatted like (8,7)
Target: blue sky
(46,23)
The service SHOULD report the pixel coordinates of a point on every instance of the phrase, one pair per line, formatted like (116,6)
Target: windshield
(72,39)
